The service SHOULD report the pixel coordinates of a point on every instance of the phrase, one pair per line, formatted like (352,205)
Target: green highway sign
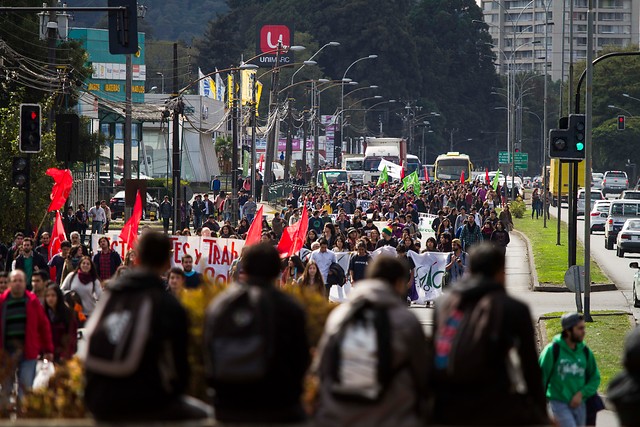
(520,168)
(521,159)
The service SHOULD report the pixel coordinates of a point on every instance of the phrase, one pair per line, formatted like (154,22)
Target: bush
(518,208)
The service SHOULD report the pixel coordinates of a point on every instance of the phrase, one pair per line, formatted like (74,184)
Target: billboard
(268,38)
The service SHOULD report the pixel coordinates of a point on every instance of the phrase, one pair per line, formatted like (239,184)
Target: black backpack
(119,330)
(336,275)
(239,335)
(466,336)
(360,356)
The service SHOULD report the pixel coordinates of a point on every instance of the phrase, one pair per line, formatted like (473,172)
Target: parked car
(595,196)
(628,239)
(619,212)
(596,180)
(149,211)
(276,168)
(630,195)
(599,215)
(614,182)
(636,284)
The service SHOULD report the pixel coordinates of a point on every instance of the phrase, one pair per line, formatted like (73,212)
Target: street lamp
(313,56)
(161,75)
(615,107)
(344,76)
(626,95)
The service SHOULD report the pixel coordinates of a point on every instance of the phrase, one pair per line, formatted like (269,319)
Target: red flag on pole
(486,175)
(293,237)
(462,180)
(61,189)
(426,174)
(402,174)
(129,233)
(255,229)
(57,236)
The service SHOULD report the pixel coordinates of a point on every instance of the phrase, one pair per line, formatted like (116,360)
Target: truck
(353,164)
(554,179)
(376,149)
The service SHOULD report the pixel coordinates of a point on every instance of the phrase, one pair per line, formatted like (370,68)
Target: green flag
(384,177)
(245,163)
(412,180)
(325,184)
(496,180)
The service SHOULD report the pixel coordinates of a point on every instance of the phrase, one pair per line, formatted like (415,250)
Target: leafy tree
(224,146)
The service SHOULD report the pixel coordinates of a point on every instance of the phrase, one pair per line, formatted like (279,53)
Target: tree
(224,146)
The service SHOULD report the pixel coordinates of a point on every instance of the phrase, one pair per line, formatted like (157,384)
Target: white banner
(363,204)
(425,222)
(393,170)
(428,274)
(211,256)
(341,293)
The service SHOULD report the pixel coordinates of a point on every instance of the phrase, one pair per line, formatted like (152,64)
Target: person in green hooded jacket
(571,374)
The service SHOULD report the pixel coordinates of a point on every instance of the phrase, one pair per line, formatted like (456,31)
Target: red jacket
(37,338)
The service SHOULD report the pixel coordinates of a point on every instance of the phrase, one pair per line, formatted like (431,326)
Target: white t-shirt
(97,214)
(324,260)
(89,293)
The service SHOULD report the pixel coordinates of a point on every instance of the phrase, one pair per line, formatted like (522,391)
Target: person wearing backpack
(135,360)
(371,360)
(570,373)
(256,351)
(484,357)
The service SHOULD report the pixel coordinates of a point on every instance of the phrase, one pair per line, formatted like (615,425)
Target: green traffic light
(580,146)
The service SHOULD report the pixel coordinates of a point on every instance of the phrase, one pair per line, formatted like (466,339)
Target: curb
(533,283)
(537,287)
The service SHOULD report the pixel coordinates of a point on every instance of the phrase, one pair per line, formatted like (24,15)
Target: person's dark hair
(65,244)
(401,249)
(486,260)
(42,274)
(388,269)
(177,271)
(154,250)
(261,260)
(61,310)
(4,274)
(323,241)
(186,256)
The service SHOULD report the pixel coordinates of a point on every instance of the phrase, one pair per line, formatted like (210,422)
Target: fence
(85,189)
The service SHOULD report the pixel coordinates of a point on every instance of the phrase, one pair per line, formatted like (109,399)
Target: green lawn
(550,259)
(605,337)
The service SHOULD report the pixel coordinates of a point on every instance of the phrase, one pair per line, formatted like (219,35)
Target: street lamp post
(344,76)
(313,56)
(161,75)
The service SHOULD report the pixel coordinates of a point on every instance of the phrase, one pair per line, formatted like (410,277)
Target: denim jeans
(566,416)
(250,218)
(26,375)
(96,227)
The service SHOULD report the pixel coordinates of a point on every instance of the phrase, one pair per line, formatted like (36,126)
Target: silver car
(595,196)
(596,180)
(599,215)
(628,239)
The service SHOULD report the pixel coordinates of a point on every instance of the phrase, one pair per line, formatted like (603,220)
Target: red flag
(129,233)
(57,236)
(61,189)
(402,172)
(293,237)
(486,175)
(462,180)
(255,229)
(426,174)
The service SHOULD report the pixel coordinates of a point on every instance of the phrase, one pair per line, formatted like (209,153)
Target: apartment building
(518,29)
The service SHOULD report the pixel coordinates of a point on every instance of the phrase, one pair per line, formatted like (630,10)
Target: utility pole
(305,130)
(52,37)
(127,128)
(587,169)
(316,127)
(288,149)
(254,114)
(176,142)
(234,149)
(545,178)
(272,139)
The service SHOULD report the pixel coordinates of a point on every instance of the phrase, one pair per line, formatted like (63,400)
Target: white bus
(449,167)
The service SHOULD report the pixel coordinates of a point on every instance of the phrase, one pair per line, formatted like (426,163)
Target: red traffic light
(34,115)
(621,120)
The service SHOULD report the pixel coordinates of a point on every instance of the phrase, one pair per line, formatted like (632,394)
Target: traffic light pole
(27,198)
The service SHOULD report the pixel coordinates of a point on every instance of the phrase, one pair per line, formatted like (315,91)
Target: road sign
(521,159)
(520,168)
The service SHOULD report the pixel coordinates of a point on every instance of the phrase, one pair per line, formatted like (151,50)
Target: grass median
(550,259)
(605,337)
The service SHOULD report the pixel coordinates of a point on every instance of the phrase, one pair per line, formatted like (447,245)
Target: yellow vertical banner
(231,91)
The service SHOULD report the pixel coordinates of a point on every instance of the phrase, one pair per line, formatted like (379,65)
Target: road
(617,269)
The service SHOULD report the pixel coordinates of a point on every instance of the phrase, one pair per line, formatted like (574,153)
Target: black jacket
(276,399)
(38,261)
(487,399)
(144,392)
(114,259)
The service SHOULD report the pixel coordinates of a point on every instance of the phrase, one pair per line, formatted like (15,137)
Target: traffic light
(568,144)
(123,27)
(30,128)
(518,147)
(20,175)
(621,122)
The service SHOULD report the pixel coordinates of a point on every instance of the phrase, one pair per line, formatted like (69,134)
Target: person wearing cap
(624,389)
(569,372)
(387,238)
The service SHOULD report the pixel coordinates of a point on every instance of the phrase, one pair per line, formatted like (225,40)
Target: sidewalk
(519,279)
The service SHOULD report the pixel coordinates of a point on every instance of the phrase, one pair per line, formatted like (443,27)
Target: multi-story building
(518,29)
